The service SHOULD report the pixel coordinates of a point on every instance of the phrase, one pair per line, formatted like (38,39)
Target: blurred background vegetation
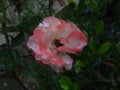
(96,68)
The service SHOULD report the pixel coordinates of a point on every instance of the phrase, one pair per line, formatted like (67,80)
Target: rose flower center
(57,43)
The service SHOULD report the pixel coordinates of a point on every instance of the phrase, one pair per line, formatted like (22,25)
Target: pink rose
(53,39)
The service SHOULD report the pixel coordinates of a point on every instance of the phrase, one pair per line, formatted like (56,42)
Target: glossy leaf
(80,63)
(99,28)
(92,45)
(65,83)
(105,47)
(94,6)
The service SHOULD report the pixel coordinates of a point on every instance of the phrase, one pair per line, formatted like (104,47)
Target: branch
(19,81)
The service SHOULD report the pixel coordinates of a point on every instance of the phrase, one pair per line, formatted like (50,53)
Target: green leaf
(94,6)
(92,45)
(65,83)
(69,1)
(80,63)
(104,48)
(17,40)
(75,1)
(99,28)
(118,49)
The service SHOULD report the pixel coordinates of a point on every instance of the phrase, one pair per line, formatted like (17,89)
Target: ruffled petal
(33,45)
(51,21)
(74,42)
(67,59)
(58,61)
(65,29)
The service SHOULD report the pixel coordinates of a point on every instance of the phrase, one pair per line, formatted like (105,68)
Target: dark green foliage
(96,68)
(17,40)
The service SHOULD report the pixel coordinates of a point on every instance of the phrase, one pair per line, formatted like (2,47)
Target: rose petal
(67,59)
(68,66)
(74,42)
(51,21)
(65,29)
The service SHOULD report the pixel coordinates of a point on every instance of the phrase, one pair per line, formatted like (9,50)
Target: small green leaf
(80,63)
(92,45)
(99,28)
(94,6)
(65,83)
(69,1)
(104,48)
(75,1)
(118,49)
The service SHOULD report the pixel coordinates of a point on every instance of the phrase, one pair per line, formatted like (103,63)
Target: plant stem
(19,81)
